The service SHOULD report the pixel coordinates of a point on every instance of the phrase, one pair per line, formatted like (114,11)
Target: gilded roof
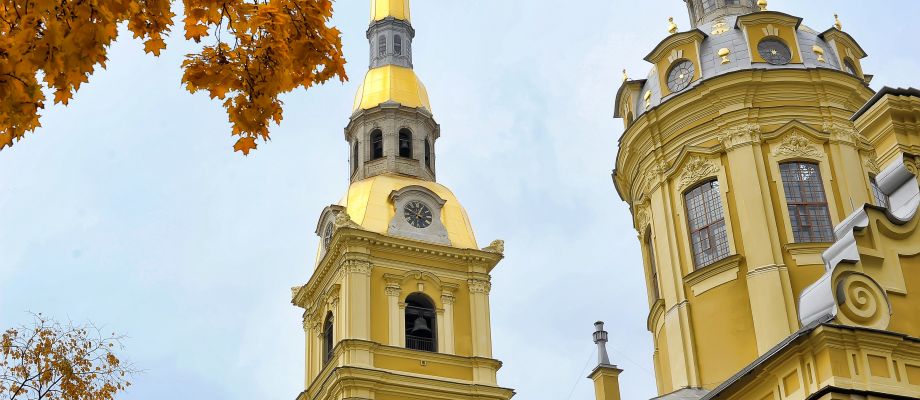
(391,83)
(381,9)
(368,204)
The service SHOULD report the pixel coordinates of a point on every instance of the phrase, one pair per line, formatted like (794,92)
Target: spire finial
(600,338)
(762,4)
(625,75)
(837,23)
(672,27)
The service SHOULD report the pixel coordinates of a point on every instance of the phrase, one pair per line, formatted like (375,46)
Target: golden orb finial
(837,23)
(762,4)
(672,27)
(625,76)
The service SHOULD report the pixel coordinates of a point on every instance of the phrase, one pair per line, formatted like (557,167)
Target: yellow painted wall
(724,336)
(663,369)
(905,316)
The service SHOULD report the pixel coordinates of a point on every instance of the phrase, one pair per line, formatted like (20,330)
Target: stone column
(394,316)
(769,288)
(446,339)
(479,310)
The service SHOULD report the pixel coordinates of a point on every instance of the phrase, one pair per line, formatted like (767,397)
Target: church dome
(391,83)
(369,205)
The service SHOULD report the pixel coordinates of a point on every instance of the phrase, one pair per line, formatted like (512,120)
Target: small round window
(850,67)
(774,51)
(680,76)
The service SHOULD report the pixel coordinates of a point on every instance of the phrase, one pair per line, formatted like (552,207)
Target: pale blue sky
(129,208)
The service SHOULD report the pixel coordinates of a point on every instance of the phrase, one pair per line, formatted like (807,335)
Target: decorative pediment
(695,170)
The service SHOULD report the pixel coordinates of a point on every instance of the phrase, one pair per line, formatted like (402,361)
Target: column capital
(479,286)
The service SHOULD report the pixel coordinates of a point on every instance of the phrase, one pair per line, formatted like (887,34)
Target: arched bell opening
(421,324)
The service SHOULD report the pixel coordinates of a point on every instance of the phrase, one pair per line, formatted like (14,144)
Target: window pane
(881,199)
(809,215)
(708,236)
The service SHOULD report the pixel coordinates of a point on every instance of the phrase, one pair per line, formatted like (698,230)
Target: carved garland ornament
(696,170)
(642,218)
(739,135)
(654,174)
(843,132)
(796,145)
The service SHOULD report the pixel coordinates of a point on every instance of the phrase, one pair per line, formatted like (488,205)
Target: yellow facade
(724,326)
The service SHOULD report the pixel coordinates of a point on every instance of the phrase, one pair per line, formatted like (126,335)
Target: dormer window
(850,67)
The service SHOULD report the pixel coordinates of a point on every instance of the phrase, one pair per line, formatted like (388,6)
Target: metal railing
(419,343)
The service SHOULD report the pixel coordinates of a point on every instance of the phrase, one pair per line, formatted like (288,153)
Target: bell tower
(397,306)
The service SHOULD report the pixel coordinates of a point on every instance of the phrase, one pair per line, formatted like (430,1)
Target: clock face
(774,51)
(417,214)
(327,234)
(680,76)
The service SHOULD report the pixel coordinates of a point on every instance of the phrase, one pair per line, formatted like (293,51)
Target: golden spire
(837,23)
(762,4)
(381,9)
(672,27)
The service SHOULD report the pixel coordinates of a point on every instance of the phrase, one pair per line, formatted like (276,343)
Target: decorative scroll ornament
(843,132)
(654,173)
(695,170)
(719,26)
(872,164)
(343,220)
(739,135)
(796,145)
(497,246)
(861,301)
(642,218)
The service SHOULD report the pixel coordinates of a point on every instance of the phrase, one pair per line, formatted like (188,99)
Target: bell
(420,326)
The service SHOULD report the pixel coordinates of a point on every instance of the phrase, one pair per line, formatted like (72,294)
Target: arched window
(881,199)
(808,213)
(381,46)
(405,143)
(376,144)
(354,158)
(328,339)
(708,237)
(421,327)
(653,268)
(850,67)
(397,45)
(428,153)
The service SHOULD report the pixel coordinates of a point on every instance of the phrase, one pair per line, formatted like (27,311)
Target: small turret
(606,376)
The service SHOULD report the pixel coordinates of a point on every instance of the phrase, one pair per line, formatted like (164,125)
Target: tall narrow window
(428,153)
(397,45)
(732,2)
(420,323)
(881,199)
(328,341)
(381,46)
(653,268)
(376,144)
(405,143)
(708,237)
(808,213)
(354,158)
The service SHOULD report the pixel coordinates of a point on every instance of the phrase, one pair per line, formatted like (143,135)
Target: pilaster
(446,341)
(479,310)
